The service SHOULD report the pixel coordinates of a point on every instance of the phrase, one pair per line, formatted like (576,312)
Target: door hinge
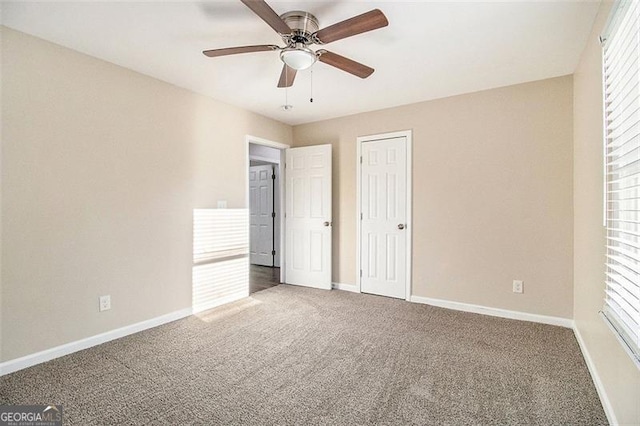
(361,216)
(273,176)
(273,252)
(273,214)
(361,159)
(360,272)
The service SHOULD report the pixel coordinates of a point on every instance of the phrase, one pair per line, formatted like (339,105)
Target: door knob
(327,223)
(401,226)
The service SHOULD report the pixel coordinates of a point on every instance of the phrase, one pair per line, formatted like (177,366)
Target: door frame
(280,146)
(408,134)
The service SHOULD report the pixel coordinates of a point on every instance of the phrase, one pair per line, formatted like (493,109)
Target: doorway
(384,205)
(265,201)
(263,211)
(302,232)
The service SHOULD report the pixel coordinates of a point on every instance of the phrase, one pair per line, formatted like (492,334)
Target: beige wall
(492,195)
(620,378)
(101,168)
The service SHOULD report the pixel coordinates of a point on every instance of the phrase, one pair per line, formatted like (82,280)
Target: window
(621,75)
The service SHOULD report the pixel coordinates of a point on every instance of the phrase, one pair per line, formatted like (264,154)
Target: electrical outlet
(105,303)
(518,286)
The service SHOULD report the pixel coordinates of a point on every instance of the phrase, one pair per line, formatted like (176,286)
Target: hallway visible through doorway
(263,277)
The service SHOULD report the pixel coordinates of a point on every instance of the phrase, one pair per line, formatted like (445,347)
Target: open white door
(308,216)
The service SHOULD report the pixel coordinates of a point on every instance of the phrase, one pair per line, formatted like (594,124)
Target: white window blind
(621,73)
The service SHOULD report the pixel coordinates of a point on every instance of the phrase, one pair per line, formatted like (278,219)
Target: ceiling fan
(299,30)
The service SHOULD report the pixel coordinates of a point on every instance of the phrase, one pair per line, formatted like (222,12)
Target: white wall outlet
(518,286)
(105,303)
(222,204)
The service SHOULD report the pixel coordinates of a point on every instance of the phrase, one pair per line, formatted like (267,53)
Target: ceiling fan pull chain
(311,99)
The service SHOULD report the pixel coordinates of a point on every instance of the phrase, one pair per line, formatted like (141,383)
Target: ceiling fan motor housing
(303,26)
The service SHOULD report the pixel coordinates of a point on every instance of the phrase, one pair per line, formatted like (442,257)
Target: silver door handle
(327,224)
(401,226)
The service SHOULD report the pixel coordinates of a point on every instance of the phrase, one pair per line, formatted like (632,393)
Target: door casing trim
(408,134)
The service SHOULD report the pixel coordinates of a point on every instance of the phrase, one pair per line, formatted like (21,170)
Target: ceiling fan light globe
(298,59)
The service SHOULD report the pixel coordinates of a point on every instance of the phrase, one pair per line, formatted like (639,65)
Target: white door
(308,216)
(383,234)
(261,238)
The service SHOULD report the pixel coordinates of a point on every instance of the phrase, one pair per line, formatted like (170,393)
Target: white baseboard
(606,404)
(494,312)
(346,287)
(69,348)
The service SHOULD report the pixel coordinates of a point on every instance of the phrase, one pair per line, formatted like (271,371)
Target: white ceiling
(429,50)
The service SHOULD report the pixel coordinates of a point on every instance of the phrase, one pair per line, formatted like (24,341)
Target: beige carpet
(290,355)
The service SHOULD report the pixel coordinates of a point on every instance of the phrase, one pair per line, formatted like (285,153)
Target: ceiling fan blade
(369,21)
(287,76)
(240,49)
(264,11)
(345,64)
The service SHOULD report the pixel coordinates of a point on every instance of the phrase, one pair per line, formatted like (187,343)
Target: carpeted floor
(291,355)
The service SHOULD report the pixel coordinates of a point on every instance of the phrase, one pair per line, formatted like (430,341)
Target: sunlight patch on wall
(220,257)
